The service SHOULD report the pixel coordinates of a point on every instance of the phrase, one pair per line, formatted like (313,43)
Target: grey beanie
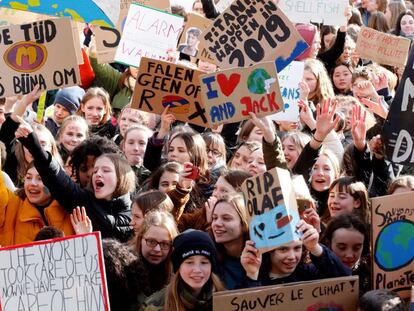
(70,98)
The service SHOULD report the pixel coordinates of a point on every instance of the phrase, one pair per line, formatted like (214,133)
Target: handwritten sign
(330,294)
(247,33)
(86,11)
(230,95)
(289,79)
(32,54)
(398,131)
(147,33)
(107,38)
(189,40)
(223,4)
(392,241)
(328,12)
(60,274)
(162,84)
(273,212)
(382,48)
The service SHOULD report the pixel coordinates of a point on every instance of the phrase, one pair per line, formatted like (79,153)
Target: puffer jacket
(20,221)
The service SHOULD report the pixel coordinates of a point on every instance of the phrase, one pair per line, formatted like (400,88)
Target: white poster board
(328,12)
(289,79)
(148,33)
(60,274)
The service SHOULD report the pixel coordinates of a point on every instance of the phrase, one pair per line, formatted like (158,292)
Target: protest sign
(398,131)
(273,212)
(289,79)
(382,48)
(60,274)
(230,95)
(250,32)
(86,11)
(189,40)
(163,84)
(327,12)
(393,241)
(110,8)
(327,294)
(147,33)
(107,38)
(32,54)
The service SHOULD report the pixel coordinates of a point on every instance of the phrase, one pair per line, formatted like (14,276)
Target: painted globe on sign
(394,247)
(256,81)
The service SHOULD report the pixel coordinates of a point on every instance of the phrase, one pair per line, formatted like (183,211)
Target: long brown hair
(173,301)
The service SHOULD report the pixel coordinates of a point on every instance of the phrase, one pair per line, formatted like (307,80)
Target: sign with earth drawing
(230,95)
(393,243)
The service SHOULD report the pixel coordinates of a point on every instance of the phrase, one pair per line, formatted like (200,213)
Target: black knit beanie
(191,243)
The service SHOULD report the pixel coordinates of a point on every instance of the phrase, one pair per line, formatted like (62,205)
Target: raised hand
(24,128)
(167,119)
(251,259)
(303,90)
(376,108)
(358,127)
(80,221)
(306,115)
(265,125)
(310,237)
(326,120)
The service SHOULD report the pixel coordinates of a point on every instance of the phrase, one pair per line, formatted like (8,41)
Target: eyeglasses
(215,153)
(153,243)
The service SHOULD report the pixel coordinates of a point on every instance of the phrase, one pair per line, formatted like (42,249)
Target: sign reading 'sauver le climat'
(32,54)
(60,274)
(250,32)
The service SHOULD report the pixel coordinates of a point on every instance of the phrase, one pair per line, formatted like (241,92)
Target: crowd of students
(166,196)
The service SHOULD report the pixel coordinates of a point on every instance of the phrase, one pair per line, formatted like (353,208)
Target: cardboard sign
(190,37)
(86,11)
(230,95)
(327,12)
(382,48)
(107,38)
(328,294)
(32,54)
(273,212)
(16,17)
(289,79)
(162,84)
(247,33)
(393,241)
(147,33)
(60,274)
(398,131)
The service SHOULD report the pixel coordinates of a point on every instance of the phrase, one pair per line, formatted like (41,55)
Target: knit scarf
(202,302)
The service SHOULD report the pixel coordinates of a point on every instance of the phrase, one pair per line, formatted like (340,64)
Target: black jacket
(110,217)
(326,266)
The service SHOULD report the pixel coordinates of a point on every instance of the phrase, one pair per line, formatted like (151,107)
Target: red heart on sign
(227,86)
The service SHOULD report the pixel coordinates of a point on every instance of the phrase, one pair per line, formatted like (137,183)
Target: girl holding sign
(284,264)
(107,204)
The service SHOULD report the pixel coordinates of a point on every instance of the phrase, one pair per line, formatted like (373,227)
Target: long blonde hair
(324,89)
(173,301)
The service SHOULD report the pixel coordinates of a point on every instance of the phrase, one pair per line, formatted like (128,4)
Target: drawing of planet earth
(256,81)
(394,247)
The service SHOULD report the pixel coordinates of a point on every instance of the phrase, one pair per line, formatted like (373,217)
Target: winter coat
(20,220)
(110,217)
